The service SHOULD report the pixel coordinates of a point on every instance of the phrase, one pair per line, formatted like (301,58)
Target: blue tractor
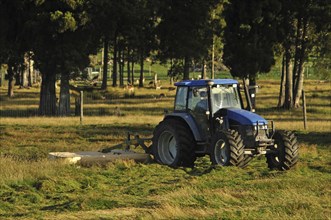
(209,119)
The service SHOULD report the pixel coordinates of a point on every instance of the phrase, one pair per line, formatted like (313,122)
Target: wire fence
(113,102)
(95,104)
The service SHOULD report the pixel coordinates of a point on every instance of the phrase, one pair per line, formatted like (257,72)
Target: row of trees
(257,32)
(60,35)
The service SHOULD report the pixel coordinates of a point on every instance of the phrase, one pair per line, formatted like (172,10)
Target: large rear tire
(173,144)
(247,160)
(286,151)
(227,149)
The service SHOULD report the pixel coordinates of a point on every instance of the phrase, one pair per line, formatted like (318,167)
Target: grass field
(34,187)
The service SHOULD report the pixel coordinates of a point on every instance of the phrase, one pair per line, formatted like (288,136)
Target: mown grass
(33,187)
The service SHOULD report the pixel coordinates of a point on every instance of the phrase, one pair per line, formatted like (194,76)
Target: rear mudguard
(191,123)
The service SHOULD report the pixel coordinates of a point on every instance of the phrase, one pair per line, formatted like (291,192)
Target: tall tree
(61,46)
(139,30)
(104,19)
(249,38)
(217,23)
(184,31)
(304,26)
(13,40)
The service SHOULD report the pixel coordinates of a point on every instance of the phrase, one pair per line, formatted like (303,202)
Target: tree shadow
(70,205)
(319,138)
(200,171)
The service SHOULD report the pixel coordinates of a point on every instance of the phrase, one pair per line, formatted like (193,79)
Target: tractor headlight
(260,127)
(263,127)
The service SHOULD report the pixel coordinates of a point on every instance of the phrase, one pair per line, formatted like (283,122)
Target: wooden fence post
(304,110)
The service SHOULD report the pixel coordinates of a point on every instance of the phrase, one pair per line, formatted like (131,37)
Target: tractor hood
(244,117)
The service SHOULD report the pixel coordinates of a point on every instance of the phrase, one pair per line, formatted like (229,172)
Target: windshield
(224,96)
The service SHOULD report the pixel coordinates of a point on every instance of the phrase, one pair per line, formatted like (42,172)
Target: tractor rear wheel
(173,144)
(247,160)
(227,149)
(286,151)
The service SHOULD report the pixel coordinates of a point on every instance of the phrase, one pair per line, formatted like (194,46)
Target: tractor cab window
(198,99)
(224,96)
(198,107)
(181,97)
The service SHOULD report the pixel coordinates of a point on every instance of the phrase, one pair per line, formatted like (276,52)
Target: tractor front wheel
(173,144)
(227,149)
(285,151)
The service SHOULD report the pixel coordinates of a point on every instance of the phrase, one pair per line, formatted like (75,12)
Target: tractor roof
(205,82)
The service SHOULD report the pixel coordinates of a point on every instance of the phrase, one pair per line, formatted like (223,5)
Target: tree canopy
(249,36)
(184,30)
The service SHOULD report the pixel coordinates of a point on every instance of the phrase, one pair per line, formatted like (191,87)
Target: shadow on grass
(319,138)
(70,205)
(19,113)
(113,133)
(200,171)
(322,169)
(102,111)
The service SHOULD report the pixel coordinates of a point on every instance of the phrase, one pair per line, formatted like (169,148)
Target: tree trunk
(105,64)
(30,70)
(299,89)
(203,71)
(47,104)
(281,97)
(299,82)
(121,66)
(17,75)
(11,81)
(25,73)
(298,44)
(186,68)
(64,103)
(115,62)
(132,72)
(289,80)
(171,80)
(128,66)
(141,78)
(2,76)
(35,76)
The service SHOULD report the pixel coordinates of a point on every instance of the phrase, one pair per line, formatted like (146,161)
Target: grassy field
(34,187)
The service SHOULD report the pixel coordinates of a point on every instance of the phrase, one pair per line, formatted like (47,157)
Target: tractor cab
(207,101)
(206,95)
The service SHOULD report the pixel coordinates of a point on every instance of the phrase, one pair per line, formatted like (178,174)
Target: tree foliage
(255,28)
(61,46)
(61,34)
(184,30)
(13,41)
(249,36)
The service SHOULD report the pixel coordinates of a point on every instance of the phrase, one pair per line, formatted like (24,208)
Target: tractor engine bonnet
(244,117)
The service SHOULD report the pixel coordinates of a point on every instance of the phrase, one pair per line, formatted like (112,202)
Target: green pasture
(34,187)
